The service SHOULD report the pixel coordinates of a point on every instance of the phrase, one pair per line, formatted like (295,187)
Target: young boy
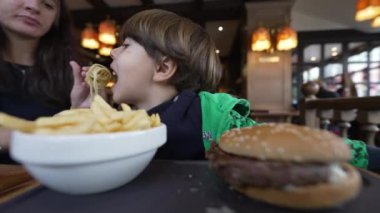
(168,65)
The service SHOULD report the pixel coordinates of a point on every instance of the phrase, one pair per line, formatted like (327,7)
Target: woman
(36,77)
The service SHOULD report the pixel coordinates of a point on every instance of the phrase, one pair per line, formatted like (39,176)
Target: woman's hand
(80,93)
(5,138)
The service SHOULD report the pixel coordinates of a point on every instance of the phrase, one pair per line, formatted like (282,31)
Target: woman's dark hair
(50,79)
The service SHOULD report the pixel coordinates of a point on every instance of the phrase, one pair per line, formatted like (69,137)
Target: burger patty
(244,171)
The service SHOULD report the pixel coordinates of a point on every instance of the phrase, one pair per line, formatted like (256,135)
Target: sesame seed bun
(323,195)
(295,144)
(285,142)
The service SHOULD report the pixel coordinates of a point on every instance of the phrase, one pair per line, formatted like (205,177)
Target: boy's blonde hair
(163,33)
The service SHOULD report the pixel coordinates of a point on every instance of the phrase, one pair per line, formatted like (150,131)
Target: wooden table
(14,181)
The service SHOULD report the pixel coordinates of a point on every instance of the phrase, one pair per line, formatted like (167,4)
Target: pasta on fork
(97,78)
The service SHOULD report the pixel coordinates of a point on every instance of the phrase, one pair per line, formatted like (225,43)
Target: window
(311,74)
(312,53)
(356,67)
(359,57)
(374,79)
(361,90)
(375,54)
(332,70)
(374,75)
(356,45)
(358,77)
(374,90)
(332,51)
(331,61)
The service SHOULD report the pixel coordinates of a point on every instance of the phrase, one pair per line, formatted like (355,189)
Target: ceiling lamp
(105,50)
(367,9)
(376,22)
(261,40)
(89,37)
(107,32)
(286,39)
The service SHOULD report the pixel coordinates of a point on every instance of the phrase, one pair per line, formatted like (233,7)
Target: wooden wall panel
(269,83)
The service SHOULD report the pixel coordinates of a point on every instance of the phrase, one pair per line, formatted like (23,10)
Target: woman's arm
(5,138)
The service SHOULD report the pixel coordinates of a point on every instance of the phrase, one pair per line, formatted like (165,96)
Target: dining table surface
(174,186)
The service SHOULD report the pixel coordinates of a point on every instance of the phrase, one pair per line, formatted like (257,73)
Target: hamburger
(286,165)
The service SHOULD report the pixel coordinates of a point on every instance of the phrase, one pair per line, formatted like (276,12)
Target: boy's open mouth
(114,76)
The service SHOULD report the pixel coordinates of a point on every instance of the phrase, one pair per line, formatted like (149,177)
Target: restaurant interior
(314,63)
(325,45)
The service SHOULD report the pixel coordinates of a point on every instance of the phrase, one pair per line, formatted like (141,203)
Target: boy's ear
(165,70)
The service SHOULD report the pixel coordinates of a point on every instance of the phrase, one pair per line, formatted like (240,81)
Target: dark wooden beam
(336,36)
(101,8)
(199,11)
(198,3)
(98,4)
(209,11)
(147,2)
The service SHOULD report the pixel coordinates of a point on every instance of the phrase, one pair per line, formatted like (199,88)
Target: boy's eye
(125,45)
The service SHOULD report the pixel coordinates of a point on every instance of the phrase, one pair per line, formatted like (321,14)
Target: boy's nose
(113,53)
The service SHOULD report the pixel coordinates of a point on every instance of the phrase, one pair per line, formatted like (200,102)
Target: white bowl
(85,164)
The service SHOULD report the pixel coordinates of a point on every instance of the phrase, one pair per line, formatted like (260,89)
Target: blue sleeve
(373,158)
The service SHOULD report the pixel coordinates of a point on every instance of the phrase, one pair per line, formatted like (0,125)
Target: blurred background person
(324,92)
(36,77)
(348,88)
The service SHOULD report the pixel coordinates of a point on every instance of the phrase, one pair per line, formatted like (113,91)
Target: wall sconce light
(261,40)
(89,37)
(107,32)
(105,50)
(367,9)
(376,22)
(103,41)
(286,39)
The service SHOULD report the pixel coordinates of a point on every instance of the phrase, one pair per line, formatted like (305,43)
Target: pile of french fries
(99,118)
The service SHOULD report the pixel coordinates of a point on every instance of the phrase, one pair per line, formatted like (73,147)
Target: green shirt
(359,153)
(222,112)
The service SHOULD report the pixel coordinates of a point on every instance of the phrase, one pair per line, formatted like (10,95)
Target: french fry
(139,120)
(83,127)
(60,120)
(126,107)
(103,105)
(100,118)
(118,115)
(154,120)
(13,122)
(73,112)
(99,113)
(113,127)
(98,128)
(80,128)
